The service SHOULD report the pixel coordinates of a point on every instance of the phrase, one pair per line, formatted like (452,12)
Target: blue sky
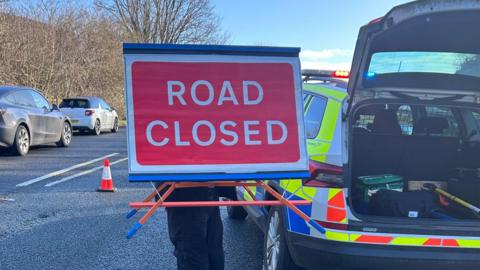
(325,30)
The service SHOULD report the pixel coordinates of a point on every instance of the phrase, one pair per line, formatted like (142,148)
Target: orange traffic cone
(106,184)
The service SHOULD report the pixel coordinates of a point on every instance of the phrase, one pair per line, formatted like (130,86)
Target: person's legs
(215,240)
(187,228)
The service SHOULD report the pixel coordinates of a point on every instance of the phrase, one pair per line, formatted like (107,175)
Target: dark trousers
(197,235)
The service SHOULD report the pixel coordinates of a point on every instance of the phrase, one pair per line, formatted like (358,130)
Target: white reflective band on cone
(106,175)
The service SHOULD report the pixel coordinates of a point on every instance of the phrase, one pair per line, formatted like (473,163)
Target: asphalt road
(51,217)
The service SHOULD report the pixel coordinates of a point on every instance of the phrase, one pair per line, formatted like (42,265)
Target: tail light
(89,112)
(324,175)
(341,74)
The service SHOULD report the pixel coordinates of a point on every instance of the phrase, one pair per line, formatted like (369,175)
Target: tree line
(66,48)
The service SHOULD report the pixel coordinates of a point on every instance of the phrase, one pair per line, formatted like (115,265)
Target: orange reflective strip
(374,239)
(336,206)
(332,192)
(450,243)
(411,241)
(337,200)
(336,215)
(433,242)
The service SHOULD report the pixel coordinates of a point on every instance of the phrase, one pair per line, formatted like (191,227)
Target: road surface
(51,217)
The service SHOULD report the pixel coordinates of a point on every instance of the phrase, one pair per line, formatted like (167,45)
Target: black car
(26,119)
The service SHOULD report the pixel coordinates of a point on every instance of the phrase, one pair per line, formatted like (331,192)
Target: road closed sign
(214,113)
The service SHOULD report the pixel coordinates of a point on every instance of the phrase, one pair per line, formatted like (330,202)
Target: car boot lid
(424,49)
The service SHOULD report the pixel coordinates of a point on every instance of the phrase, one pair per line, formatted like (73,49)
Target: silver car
(90,114)
(26,119)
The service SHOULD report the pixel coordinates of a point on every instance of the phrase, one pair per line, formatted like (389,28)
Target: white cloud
(330,59)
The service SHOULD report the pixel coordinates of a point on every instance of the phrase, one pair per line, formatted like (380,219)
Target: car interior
(409,159)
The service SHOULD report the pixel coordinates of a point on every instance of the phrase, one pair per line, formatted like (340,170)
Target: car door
(53,121)
(101,114)
(108,115)
(36,125)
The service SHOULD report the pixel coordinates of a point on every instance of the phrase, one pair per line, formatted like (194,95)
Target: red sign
(197,113)
(205,113)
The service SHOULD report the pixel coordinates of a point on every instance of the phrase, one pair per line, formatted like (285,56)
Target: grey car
(26,119)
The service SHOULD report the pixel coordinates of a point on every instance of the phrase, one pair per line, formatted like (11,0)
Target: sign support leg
(249,191)
(292,207)
(153,206)
(150,212)
(149,198)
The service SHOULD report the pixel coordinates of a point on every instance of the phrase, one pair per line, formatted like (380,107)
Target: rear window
(75,103)
(407,120)
(439,50)
(425,62)
(445,122)
(476,116)
(10,98)
(364,121)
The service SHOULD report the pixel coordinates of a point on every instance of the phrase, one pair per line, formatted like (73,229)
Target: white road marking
(52,174)
(6,199)
(65,179)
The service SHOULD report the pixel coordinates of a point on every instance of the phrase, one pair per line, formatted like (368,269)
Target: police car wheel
(275,251)
(236,212)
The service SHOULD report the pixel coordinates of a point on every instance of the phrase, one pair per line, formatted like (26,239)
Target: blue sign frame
(164,49)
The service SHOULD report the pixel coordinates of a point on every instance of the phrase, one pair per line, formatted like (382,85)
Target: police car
(395,171)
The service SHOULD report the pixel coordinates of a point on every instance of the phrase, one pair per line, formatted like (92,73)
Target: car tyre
(66,137)
(21,144)
(115,125)
(276,255)
(236,212)
(97,128)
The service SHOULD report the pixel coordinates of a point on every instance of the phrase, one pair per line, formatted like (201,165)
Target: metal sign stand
(171,186)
